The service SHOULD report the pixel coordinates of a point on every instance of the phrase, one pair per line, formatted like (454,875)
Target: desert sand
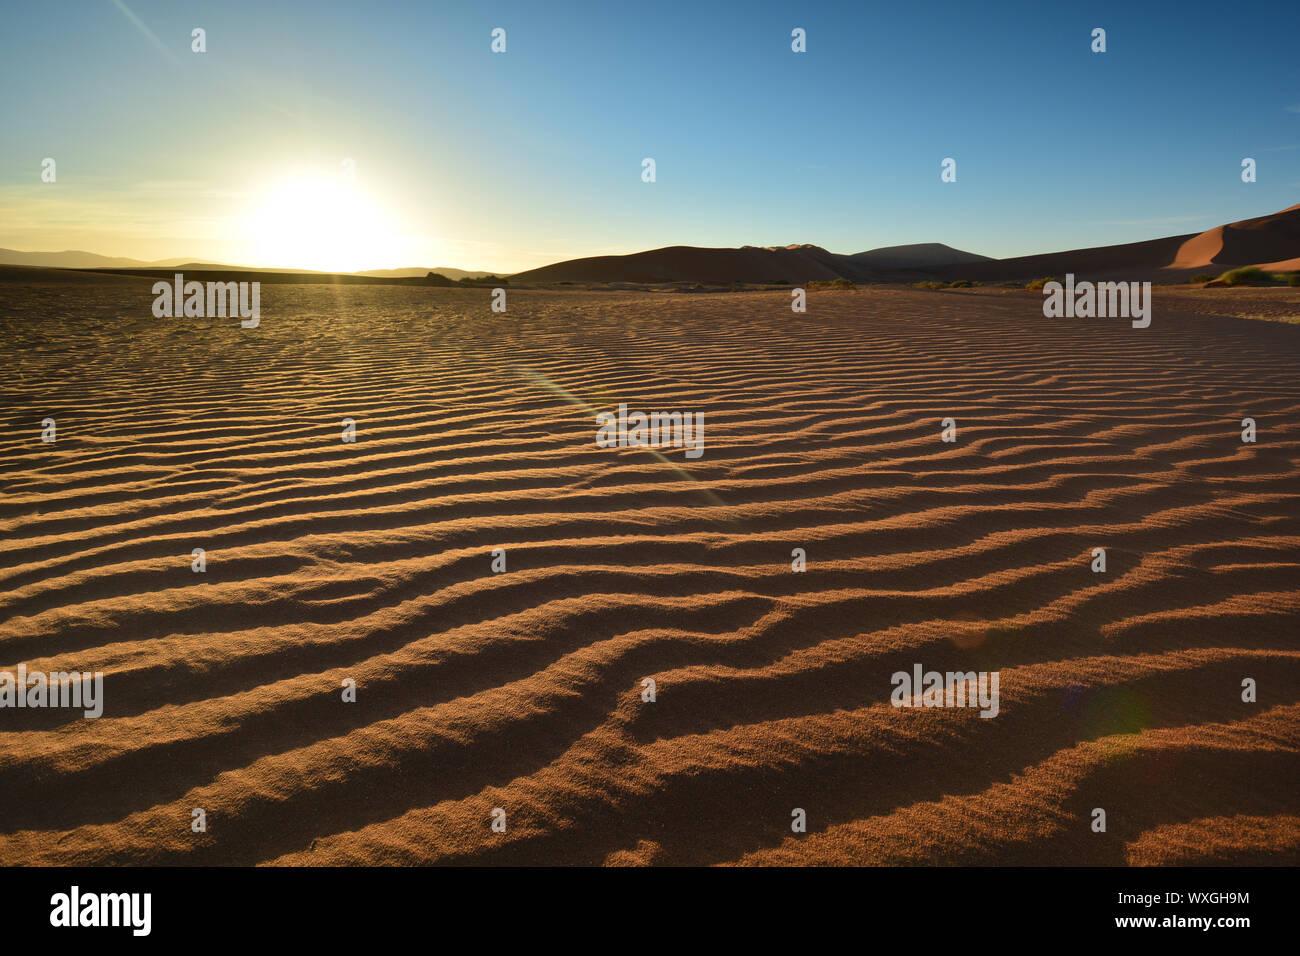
(372,562)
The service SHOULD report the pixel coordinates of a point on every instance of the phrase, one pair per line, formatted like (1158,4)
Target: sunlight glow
(319,222)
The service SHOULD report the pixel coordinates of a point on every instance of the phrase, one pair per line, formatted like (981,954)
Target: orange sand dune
(1282,265)
(1272,240)
(372,562)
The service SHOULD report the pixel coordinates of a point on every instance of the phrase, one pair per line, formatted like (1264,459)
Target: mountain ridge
(1270,241)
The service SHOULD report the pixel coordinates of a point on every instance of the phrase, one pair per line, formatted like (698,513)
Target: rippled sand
(372,561)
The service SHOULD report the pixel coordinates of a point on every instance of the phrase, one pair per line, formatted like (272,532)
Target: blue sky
(507,161)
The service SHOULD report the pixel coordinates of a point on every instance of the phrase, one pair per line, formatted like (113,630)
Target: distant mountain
(420,272)
(75,259)
(793,264)
(920,255)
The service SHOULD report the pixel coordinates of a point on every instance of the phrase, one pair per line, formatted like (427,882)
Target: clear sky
(477,160)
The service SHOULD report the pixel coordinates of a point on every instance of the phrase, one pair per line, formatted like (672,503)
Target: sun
(319,222)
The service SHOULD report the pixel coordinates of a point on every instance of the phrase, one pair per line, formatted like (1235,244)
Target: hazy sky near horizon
(468,158)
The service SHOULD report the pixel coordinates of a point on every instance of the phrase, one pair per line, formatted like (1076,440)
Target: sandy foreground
(372,562)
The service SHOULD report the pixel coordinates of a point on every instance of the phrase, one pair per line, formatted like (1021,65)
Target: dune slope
(1272,240)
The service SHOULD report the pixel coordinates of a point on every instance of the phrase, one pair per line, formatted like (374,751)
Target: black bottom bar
(644,908)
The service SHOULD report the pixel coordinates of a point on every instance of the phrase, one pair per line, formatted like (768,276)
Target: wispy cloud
(1293,108)
(139,25)
(36,216)
(1164,220)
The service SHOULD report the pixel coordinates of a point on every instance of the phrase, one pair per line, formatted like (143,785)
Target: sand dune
(794,264)
(1149,260)
(918,255)
(371,561)
(1271,239)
